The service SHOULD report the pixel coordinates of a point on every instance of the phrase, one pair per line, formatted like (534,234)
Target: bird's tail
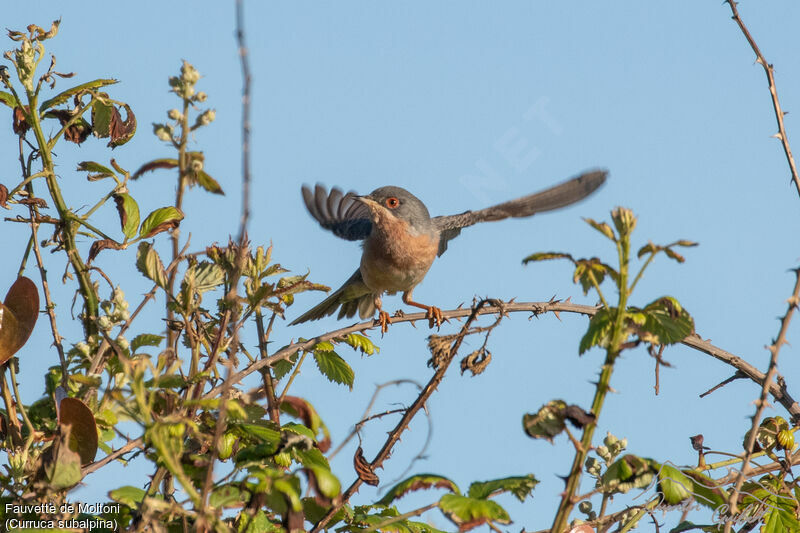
(353,296)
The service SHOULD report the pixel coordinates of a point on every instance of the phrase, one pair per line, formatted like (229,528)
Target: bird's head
(397,202)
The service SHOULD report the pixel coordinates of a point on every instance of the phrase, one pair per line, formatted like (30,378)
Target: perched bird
(401,240)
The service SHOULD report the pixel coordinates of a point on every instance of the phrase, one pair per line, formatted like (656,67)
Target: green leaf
(469,513)
(128,211)
(101,118)
(599,332)
(673,485)
(519,486)
(648,248)
(208,183)
(149,263)
(283,367)
(8,99)
(546,256)
(100,171)
(628,472)
(706,491)
(228,496)
(334,367)
(586,269)
(64,470)
(128,495)
(548,422)
(418,482)
(261,432)
(162,219)
(208,276)
(145,339)
(602,227)
(66,95)
(360,342)
(667,322)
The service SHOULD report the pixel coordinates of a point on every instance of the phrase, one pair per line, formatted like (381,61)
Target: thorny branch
(447,356)
(773,91)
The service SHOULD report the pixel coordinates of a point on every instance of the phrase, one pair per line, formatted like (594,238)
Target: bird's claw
(383,321)
(434,316)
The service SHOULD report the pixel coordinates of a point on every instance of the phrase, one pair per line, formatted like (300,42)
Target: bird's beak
(369,202)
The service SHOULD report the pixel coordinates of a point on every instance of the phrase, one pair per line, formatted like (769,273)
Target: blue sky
(468,104)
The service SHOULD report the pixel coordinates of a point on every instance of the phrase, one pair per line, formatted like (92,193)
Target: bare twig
(773,91)
(402,425)
(762,403)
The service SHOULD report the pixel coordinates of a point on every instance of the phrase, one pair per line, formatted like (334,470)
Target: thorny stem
(266,373)
(601,390)
(421,400)
(67,218)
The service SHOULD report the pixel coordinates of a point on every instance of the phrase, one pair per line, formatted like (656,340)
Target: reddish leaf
(19,313)
(99,246)
(3,196)
(20,125)
(364,469)
(121,131)
(155,164)
(77,132)
(83,428)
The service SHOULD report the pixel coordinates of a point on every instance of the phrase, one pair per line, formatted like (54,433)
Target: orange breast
(396,257)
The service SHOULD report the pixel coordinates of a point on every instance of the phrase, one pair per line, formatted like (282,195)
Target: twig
(762,403)
(773,91)
(402,425)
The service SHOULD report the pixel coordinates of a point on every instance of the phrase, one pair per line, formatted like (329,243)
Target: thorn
(778,136)
(568,300)
(558,315)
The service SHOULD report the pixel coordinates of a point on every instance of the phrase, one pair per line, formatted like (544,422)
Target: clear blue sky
(429,96)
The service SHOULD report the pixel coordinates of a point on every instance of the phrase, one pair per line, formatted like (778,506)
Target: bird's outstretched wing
(340,213)
(561,195)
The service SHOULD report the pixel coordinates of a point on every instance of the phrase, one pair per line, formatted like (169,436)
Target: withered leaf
(155,164)
(19,313)
(83,433)
(99,246)
(38,202)
(121,131)
(3,196)
(77,132)
(20,125)
(364,469)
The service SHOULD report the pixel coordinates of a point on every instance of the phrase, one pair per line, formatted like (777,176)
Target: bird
(400,240)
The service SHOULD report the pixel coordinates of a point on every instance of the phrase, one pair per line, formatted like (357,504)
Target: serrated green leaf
(100,171)
(602,227)
(208,183)
(228,495)
(162,219)
(128,495)
(599,331)
(546,256)
(418,482)
(334,367)
(69,93)
(300,429)
(360,342)
(283,367)
(519,486)
(208,276)
(261,432)
(462,510)
(145,339)
(667,322)
(128,211)
(706,491)
(149,263)
(8,99)
(547,422)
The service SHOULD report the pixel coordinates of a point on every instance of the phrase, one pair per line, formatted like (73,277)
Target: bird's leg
(383,317)
(433,314)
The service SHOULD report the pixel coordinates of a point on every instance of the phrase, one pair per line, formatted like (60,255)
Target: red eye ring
(392,202)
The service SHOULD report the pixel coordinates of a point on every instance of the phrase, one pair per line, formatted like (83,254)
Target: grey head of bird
(398,203)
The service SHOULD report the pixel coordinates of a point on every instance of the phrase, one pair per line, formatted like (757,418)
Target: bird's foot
(383,321)
(434,316)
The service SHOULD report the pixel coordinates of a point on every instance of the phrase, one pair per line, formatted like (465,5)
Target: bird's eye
(392,202)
